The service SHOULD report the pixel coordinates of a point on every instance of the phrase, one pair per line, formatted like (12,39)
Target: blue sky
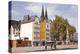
(68,11)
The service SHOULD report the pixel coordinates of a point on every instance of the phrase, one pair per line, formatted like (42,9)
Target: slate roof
(28,19)
(14,23)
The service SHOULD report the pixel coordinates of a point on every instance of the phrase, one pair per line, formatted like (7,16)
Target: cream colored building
(31,27)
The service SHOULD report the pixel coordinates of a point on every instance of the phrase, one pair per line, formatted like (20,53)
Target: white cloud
(15,15)
(14,12)
(34,9)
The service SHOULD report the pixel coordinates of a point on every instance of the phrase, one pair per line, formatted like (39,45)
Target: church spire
(46,16)
(42,14)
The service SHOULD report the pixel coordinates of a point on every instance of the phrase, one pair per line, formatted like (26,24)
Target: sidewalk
(42,48)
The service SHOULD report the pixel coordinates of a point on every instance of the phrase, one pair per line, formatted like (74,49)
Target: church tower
(46,16)
(43,27)
(42,14)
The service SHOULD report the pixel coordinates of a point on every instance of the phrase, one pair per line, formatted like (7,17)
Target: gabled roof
(14,23)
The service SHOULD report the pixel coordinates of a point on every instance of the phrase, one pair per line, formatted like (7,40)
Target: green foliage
(59,26)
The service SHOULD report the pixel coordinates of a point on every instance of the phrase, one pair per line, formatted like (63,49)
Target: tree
(59,26)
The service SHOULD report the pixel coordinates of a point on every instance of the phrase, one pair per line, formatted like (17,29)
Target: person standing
(45,45)
(55,43)
(51,45)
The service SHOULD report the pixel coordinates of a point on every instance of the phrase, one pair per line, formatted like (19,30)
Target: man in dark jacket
(55,43)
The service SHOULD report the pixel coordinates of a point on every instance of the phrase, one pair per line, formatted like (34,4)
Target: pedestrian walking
(51,45)
(55,44)
(45,45)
